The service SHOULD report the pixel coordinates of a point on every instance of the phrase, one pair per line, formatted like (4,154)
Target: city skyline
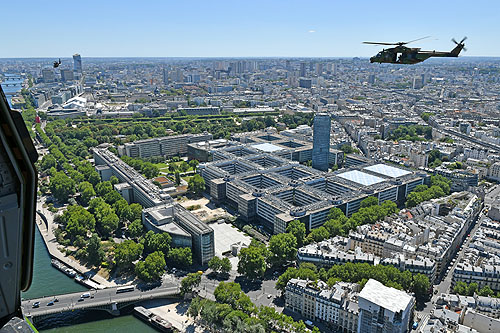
(259,29)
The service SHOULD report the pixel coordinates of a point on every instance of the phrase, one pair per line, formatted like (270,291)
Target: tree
(61,186)
(252,262)
(78,221)
(486,291)
(177,176)
(282,248)
(460,288)
(127,252)
(108,224)
(194,164)
(112,197)
(135,228)
(150,170)
(172,167)
(297,229)
(157,242)
(368,202)
(103,188)
(134,212)
(47,162)
(191,281)
(421,285)
(121,208)
(230,293)
(317,235)
(225,266)
(472,288)
(215,264)
(196,184)
(335,227)
(114,180)
(335,213)
(152,268)
(86,192)
(183,166)
(95,253)
(180,257)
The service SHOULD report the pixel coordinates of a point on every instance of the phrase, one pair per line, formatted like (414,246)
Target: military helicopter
(406,55)
(57,63)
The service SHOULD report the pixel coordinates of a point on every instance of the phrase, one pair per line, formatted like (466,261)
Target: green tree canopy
(196,184)
(252,262)
(298,230)
(61,186)
(191,281)
(152,268)
(86,192)
(368,202)
(127,252)
(95,253)
(157,242)
(180,257)
(78,221)
(282,248)
(135,229)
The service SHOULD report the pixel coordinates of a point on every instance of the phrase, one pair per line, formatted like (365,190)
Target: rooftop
(267,147)
(361,178)
(389,298)
(387,170)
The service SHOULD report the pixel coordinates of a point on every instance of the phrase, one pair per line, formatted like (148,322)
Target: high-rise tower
(77,63)
(321,141)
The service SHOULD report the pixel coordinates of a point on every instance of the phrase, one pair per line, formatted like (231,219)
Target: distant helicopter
(57,63)
(406,55)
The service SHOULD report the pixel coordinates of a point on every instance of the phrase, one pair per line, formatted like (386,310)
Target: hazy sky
(242,28)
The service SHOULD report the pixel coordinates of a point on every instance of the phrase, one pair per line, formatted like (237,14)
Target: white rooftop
(361,177)
(389,298)
(267,147)
(387,170)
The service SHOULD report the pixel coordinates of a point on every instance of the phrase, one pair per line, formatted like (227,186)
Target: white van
(86,295)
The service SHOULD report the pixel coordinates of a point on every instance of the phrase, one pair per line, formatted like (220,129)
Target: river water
(49,281)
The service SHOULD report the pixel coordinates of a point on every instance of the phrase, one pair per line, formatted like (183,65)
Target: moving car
(36,304)
(50,303)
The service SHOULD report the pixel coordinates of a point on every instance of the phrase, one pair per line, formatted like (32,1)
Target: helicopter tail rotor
(461,43)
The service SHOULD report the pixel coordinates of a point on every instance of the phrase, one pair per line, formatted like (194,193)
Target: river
(49,281)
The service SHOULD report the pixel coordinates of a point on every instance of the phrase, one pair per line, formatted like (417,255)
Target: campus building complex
(264,183)
(160,213)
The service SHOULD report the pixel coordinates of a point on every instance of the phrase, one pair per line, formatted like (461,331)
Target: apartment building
(314,300)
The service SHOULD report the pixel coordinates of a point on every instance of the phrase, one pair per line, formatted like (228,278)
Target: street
(445,283)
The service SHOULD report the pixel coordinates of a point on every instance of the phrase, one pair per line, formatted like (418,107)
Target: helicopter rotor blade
(463,40)
(377,43)
(454,41)
(417,39)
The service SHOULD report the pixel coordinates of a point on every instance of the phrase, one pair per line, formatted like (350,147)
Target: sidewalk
(52,246)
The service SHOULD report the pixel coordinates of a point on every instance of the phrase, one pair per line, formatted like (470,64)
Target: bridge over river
(105,299)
